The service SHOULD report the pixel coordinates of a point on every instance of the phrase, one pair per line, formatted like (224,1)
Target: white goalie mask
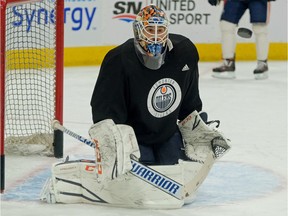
(151,35)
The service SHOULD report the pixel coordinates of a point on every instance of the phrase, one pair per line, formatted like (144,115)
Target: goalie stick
(139,170)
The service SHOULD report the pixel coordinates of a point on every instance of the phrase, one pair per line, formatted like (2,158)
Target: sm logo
(126,11)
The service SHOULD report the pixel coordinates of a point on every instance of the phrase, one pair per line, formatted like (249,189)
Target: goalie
(145,108)
(149,83)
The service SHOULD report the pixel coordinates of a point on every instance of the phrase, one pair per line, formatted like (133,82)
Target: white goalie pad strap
(114,145)
(201,139)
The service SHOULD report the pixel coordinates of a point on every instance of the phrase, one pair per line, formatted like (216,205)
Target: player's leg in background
(232,13)
(258,17)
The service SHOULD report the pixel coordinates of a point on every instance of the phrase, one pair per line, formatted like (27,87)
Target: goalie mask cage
(31,72)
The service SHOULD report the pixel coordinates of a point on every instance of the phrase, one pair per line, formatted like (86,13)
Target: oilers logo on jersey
(164,97)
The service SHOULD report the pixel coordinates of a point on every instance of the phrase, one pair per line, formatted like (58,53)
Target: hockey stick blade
(138,169)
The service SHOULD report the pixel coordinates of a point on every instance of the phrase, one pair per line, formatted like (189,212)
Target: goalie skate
(47,194)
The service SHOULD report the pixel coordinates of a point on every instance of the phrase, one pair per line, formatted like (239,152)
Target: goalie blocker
(126,184)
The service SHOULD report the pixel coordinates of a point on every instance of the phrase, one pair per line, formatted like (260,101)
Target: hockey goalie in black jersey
(150,82)
(153,148)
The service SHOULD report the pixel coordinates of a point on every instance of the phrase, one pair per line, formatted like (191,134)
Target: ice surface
(251,180)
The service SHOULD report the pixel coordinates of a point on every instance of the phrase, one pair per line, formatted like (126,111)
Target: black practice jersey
(151,101)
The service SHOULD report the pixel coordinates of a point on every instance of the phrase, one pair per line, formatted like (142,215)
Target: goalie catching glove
(201,139)
(113,146)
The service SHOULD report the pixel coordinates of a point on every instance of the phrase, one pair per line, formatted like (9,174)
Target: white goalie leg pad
(75,181)
(200,139)
(114,145)
(68,182)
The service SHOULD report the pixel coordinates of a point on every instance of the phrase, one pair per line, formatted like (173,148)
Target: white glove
(201,139)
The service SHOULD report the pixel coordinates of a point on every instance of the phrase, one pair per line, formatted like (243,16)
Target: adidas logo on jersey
(185,68)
